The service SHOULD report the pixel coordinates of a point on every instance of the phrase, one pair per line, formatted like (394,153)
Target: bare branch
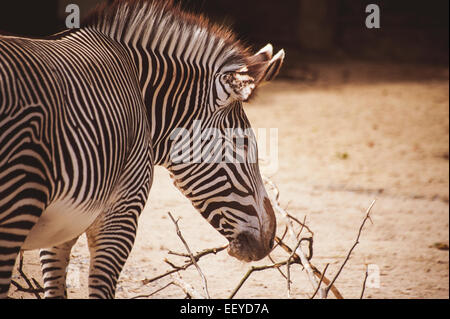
(250,271)
(304,261)
(186,287)
(185,266)
(327,281)
(153,293)
(302,224)
(306,264)
(279,270)
(31,290)
(35,288)
(282,238)
(320,281)
(364,284)
(367,217)
(288,279)
(205,283)
(317,273)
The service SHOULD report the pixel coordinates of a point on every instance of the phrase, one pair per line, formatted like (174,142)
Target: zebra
(87,113)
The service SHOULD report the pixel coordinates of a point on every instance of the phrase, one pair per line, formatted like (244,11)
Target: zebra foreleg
(111,237)
(54,262)
(110,241)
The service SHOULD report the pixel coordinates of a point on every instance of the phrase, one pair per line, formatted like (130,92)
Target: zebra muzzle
(248,247)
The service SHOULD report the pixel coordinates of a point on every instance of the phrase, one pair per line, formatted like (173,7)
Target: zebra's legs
(54,262)
(111,237)
(110,241)
(15,225)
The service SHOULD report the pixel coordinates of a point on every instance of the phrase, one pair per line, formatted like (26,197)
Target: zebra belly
(59,223)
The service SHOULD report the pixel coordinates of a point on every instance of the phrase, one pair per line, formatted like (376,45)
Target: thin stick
(300,223)
(327,281)
(185,266)
(209,251)
(288,279)
(282,237)
(279,270)
(292,255)
(205,284)
(34,289)
(317,273)
(250,271)
(275,246)
(170,252)
(320,281)
(170,264)
(153,293)
(353,247)
(364,284)
(304,261)
(187,288)
(31,290)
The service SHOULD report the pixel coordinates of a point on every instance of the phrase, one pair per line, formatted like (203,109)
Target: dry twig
(186,265)
(250,271)
(364,283)
(190,292)
(153,293)
(367,217)
(205,283)
(298,250)
(35,288)
(320,281)
(317,273)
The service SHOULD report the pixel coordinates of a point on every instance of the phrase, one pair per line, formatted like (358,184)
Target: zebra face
(220,174)
(225,184)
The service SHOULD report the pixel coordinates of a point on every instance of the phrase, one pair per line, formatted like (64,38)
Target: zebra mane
(160,24)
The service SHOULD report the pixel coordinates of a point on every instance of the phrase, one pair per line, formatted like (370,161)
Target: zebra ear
(263,66)
(258,63)
(273,67)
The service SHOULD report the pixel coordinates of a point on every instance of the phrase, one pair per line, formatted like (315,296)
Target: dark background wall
(412,31)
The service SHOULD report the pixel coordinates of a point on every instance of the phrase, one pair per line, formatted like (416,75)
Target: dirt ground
(358,133)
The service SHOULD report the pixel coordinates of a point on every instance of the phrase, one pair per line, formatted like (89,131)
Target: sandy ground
(343,141)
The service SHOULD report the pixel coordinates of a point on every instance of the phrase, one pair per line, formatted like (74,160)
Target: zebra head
(214,161)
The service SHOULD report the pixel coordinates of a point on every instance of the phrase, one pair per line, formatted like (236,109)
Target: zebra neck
(160,26)
(176,93)
(177,57)
(176,72)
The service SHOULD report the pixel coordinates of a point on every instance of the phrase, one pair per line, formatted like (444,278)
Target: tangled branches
(296,256)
